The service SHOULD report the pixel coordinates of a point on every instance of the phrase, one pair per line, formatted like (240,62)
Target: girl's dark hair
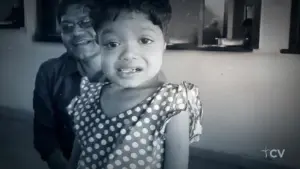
(65,4)
(158,11)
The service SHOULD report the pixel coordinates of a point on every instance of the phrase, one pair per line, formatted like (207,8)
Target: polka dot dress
(133,139)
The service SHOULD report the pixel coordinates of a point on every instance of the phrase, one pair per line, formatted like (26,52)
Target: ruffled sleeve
(88,93)
(186,98)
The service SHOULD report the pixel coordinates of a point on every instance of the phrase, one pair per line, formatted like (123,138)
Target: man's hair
(65,4)
(157,11)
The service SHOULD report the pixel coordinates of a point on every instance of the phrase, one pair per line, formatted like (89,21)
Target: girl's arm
(75,155)
(177,142)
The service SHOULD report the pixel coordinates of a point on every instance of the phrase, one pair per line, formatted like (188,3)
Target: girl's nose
(130,52)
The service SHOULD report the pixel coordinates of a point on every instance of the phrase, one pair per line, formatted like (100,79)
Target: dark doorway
(294,39)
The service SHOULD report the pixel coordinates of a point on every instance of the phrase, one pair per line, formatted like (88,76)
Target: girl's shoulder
(185,97)
(89,94)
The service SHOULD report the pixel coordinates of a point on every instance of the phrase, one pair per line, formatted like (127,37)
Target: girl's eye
(146,41)
(112,44)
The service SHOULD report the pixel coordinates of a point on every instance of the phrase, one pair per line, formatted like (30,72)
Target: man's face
(77,32)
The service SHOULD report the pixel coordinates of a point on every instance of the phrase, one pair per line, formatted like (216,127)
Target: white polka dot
(102,116)
(149,148)
(119,125)
(149,98)
(145,131)
(167,108)
(133,155)
(126,121)
(152,127)
(98,111)
(135,145)
(99,163)
(137,134)
(137,109)
(163,103)
(81,123)
(132,166)
(143,141)
(111,156)
(158,165)
(128,137)
(129,112)
(118,162)
(156,107)
(93,115)
(174,91)
(88,159)
(110,139)
(148,167)
(106,121)
(80,106)
(102,153)
(98,136)
(181,106)
(113,146)
(150,138)
(94,129)
(103,142)
(100,126)
(145,106)
(126,148)
(76,113)
(108,149)
(125,158)
(142,151)
(91,139)
(112,128)
(134,118)
(154,117)
(96,146)
(149,159)
(141,162)
(170,99)
(166,94)
(94,166)
(80,132)
(139,124)
(89,149)
(88,106)
(95,156)
(114,119)
(121,115)
(146,120)
(118,152)
(158,156)
(158,97)
(76,126)
(123,131)
(110,166)
(105,132)
(149,110)
(105,160)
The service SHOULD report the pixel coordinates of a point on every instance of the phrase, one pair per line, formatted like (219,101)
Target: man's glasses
(68,27)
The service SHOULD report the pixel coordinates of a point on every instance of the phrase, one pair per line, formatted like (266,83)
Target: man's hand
(57,161)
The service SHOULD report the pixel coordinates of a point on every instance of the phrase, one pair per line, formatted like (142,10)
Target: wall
(250,100)
(275,25)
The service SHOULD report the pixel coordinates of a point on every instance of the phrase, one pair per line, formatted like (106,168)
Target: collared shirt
(57,82)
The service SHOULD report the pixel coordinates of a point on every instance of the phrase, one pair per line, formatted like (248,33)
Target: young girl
(135,121)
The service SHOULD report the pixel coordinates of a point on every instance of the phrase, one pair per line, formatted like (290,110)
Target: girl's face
(132,49)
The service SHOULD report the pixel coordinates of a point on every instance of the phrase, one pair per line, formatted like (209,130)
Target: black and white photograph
(150,84)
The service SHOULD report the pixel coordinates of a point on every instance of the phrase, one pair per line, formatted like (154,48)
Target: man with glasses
(58,80)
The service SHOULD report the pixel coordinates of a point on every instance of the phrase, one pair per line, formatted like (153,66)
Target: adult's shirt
(57,82)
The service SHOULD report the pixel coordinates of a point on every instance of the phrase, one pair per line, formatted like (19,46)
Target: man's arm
(177,142)
(75,155)
(45,141)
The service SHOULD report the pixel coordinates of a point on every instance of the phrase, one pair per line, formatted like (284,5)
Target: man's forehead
(76,11)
